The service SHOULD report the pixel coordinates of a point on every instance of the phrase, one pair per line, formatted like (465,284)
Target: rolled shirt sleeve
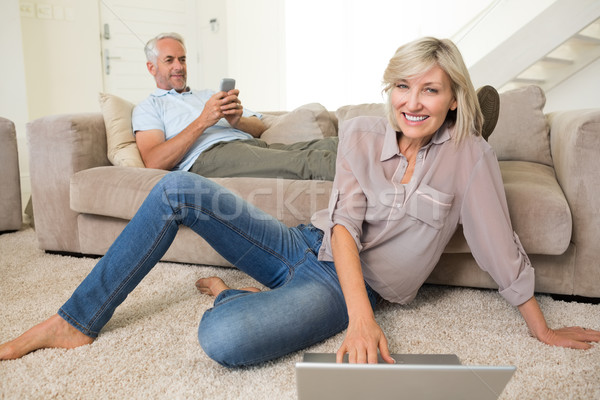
(348,202)
(489,233)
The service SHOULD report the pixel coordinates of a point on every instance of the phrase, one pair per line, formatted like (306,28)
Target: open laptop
(414,376)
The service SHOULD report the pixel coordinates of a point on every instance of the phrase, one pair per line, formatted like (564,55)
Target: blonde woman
(403,184)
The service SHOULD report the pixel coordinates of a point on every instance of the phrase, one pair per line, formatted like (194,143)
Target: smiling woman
(423,90)
(421,104)
(418,107)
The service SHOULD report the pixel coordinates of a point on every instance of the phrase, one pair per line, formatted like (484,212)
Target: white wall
(247,46)
(256,52)
(62,58)
(13,92)
(213,62)
(285,54)
(337,50)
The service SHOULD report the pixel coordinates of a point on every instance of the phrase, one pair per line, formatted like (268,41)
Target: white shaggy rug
(149,349)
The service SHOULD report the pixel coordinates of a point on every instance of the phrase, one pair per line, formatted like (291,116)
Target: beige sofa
(86,186)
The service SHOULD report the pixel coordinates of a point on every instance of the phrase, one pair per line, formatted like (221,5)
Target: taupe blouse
(401,230)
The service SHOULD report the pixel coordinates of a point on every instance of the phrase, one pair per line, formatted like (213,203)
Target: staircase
(558,40)
(567,59)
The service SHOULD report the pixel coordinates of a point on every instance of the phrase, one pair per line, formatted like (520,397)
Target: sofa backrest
(521,134)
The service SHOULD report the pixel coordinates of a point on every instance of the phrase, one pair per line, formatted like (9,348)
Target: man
(211,134)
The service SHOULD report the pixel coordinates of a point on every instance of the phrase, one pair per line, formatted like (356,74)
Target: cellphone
(227,84)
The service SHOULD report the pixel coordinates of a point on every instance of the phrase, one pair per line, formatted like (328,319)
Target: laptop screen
(426,376)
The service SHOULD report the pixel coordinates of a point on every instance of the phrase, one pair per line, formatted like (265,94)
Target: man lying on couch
(211,134)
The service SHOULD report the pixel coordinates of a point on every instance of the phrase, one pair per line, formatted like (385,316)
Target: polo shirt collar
(162,92)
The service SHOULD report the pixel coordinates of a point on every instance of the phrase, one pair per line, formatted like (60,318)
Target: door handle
(107,59)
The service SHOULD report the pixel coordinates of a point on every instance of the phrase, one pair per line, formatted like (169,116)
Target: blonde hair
(416,58)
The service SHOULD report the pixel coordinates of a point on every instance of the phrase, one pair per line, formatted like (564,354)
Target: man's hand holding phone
(231,106)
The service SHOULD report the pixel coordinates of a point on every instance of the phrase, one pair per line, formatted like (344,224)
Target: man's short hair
(150,48)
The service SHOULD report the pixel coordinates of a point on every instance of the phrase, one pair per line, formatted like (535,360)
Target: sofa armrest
(575,148)
(11,216)
(59,146)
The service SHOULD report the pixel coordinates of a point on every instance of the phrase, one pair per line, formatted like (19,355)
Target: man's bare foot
(215,285)
(54,332)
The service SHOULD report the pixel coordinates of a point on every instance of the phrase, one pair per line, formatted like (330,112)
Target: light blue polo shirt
(172,112)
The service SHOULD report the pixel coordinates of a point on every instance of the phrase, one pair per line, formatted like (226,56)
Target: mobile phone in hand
(227,84)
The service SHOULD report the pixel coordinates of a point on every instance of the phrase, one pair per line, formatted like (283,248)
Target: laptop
(414,376)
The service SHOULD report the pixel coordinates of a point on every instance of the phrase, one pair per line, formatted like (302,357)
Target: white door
(126,26)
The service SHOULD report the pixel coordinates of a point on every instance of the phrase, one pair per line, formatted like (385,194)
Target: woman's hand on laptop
(363,338)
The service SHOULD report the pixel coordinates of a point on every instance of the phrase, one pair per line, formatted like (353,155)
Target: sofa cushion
(537,206)
(112,191)
(522,132)
(121,147)
(538,209)
(307,122)
(118,192)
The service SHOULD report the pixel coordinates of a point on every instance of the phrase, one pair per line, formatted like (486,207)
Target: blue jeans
(304,306)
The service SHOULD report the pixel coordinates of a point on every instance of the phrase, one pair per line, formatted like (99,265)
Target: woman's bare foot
(215,285)
(54,332)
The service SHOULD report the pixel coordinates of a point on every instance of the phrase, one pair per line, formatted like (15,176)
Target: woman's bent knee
(183,187)
(234,340)
(176,179)
(221,343)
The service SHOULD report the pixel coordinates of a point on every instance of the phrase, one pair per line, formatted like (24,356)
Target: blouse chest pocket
(429,206)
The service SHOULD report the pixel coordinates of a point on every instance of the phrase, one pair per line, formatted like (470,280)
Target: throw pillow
(120,142)
(307,122)
(367,109)
(522,133)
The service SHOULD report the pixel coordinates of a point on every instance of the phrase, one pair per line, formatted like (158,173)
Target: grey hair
(150,48)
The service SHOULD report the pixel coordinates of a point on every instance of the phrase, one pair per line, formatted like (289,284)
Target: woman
(402,186)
